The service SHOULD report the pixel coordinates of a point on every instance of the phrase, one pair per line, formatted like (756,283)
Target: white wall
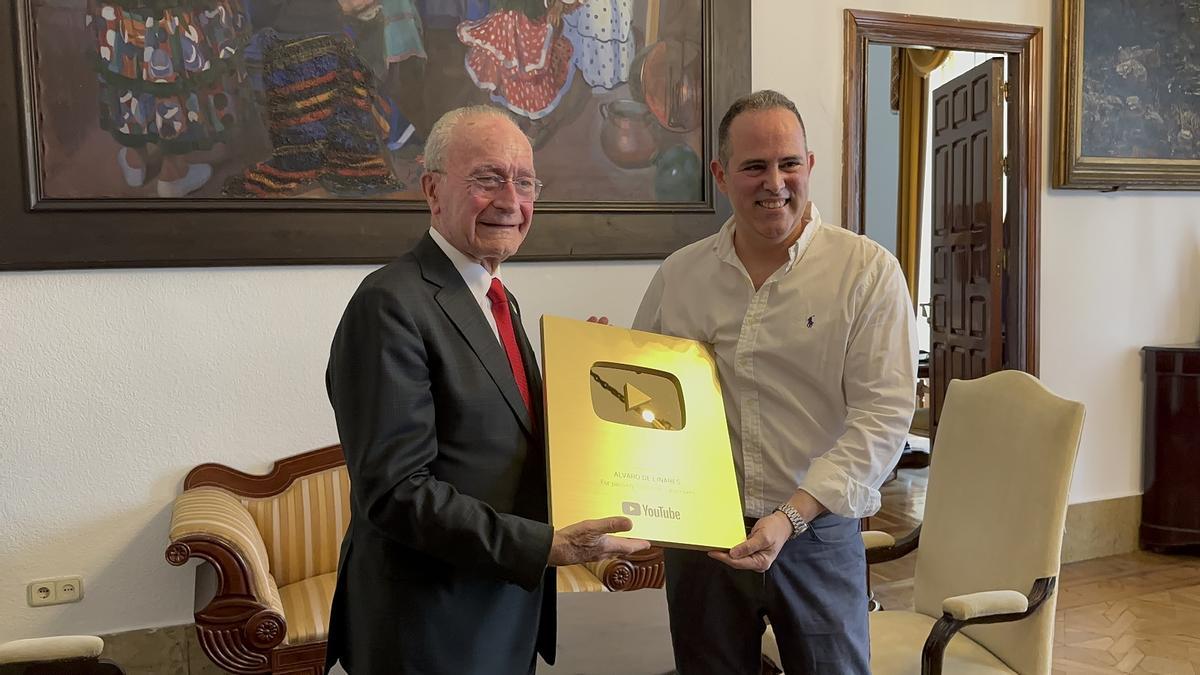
(883,151)
(114,383)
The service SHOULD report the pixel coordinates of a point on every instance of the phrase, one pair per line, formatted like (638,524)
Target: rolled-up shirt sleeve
(879,383)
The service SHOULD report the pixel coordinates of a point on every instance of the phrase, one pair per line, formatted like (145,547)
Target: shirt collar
(725,251)
(475,275)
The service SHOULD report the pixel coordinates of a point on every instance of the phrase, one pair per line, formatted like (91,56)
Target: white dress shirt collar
(474,274)
(723,246)
(478,279)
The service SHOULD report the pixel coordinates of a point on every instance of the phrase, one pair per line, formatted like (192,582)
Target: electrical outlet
(42,593)
(55,591)
(68,589)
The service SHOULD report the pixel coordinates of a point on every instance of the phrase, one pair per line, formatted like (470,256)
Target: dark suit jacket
(443,568)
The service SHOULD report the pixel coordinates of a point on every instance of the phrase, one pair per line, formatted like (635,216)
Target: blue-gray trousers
(814,594)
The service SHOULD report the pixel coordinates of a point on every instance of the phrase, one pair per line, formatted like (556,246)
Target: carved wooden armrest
(631,572)
(882,547)
(979,608)
(244,621)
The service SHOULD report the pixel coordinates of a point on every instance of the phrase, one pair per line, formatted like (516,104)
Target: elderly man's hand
(592,540)
(758,552)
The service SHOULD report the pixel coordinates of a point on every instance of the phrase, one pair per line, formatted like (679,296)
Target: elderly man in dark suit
(448,562)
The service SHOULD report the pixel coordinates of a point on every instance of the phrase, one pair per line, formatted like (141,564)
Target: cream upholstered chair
(58,655)
(274,542)
(989,545)
(990,542)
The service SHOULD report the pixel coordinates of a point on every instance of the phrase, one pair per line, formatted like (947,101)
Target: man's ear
(431,188)
(718,172)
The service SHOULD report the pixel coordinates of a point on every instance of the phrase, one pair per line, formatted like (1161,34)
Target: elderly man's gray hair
(439,137)
(765,99)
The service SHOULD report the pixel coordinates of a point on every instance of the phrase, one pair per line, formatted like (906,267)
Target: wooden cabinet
(1171,446)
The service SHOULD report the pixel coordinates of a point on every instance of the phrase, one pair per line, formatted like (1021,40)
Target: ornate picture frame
(1128,96)
(43,229)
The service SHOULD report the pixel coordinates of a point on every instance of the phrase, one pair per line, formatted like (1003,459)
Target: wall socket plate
(56,591)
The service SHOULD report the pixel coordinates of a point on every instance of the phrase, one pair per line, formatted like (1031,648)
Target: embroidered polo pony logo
(811,320)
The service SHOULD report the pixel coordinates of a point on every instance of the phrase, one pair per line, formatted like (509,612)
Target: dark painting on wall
(292,130)
(1129,94)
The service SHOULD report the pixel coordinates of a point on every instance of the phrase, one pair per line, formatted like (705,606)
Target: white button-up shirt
(817,367)
(476,276)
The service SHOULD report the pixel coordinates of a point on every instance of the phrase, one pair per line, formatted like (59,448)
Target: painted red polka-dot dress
(522,62)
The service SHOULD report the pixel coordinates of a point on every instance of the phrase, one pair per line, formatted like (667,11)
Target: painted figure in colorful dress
(170,76)
(404,54)
(601,33)
(518,54)
(326,120)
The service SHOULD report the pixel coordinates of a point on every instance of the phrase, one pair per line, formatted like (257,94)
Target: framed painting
(144,133)
(1128,95)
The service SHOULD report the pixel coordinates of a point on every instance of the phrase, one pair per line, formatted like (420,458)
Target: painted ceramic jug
(627,134)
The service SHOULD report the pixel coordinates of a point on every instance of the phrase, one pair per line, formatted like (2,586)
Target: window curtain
(915,65)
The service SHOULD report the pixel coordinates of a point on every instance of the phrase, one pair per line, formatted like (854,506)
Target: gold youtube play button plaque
(635,426)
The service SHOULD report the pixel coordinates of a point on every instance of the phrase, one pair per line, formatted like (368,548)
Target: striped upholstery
(578,579)
(306,605)
(214,511)
(276,601)
(600,567)
(293,538)
(303,526)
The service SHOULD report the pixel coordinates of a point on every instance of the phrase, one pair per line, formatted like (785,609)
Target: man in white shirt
(815,342)
(447,563)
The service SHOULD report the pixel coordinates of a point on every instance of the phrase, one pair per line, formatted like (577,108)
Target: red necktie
(509,338)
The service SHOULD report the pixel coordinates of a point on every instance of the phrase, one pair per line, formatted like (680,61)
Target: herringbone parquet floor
(1132,613)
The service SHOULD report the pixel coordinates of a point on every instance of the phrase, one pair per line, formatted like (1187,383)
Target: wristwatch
(799,524)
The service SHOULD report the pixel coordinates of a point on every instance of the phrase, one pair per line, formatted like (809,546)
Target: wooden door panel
(978,313)
(967,238)
(980,255)
(941,115)
(959,199)
(941,267)
(941,172)
(981,147)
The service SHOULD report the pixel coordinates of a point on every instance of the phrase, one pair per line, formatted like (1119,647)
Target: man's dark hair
(765,99)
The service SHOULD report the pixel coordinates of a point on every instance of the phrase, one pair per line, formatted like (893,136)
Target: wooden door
(966,330)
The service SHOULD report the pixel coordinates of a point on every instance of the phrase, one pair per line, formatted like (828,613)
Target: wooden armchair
(273,543)
(988,549)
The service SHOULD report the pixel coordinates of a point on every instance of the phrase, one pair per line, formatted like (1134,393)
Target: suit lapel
(463,311)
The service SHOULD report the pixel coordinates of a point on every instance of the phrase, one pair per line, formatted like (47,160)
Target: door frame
(1023,46)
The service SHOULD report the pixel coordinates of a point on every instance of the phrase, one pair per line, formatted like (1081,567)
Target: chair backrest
(301,507)
(303,526)
(996,505)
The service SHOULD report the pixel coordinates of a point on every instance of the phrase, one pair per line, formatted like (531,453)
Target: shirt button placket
(751,421)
